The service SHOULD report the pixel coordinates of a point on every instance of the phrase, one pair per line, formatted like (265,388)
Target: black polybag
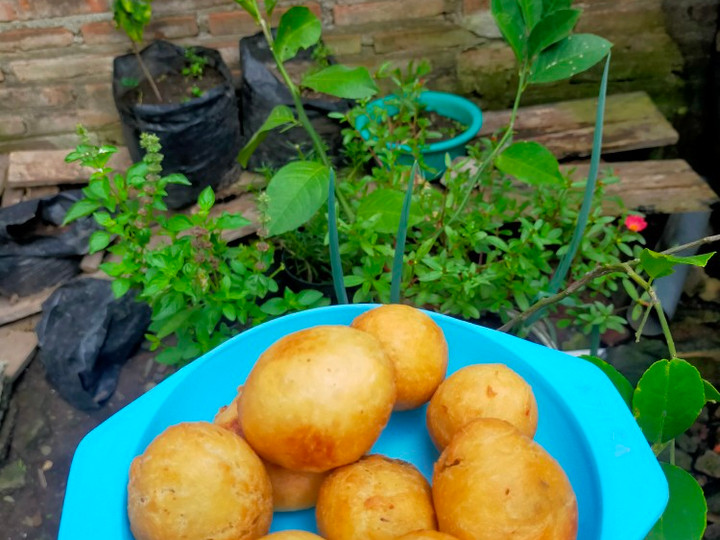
(85,336)
(34,252)
(261,91)
(199,138)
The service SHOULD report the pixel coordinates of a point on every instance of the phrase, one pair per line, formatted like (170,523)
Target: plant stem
(302,115)
(672,452)
(146,72)
(597,272)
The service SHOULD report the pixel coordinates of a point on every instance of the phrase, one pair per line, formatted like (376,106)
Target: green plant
(198,287)
(133,16)
(194,64)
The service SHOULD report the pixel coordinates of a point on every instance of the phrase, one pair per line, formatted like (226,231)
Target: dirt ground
(47,429)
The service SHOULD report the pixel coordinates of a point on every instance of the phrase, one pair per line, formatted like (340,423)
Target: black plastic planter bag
(85,336)
(200,138)
(35,253)
(261,91)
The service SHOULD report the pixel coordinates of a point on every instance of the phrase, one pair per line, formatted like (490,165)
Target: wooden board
(655,186)
(48,168)
(16,351)
(632,122)
(15,309)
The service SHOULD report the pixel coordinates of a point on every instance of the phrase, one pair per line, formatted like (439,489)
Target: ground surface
(47,430)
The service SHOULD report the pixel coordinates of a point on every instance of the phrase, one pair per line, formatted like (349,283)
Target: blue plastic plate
(584,424)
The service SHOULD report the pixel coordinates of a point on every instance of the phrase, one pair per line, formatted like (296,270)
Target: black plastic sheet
(261,91)
(85,336)
(35,252)
(200,138)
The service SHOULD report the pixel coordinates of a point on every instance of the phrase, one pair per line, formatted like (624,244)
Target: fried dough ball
(197,481)
(494,482)
(376,498)
(227,416)
(292,535)
(416,346)
(481,391)
(426,535)
(318,398)
(291,490)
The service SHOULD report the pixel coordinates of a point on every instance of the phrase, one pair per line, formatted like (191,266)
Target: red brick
(344,44)
(422,39)
(7,12)
(239,22)
(27,39)
(98,96)
(66,67)
(67,123)
(45,9)
(96,33)
(14,98)
(470,6)
(389,10)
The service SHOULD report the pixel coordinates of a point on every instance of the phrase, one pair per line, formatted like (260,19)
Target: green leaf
(387,205)
(299,28)
(685,516)
(270,7)
(165,327)
(401,236)
(550,6)
(551,29)
(658,265)
(342,81)
(228,311)
(274,306)
(668,399)
(530,162)
(177,178)
(179,222)
(509,19)
(232,221)
(711,393)
(120,286)
(571,56)
(308,297)
(99,240)
(251,7)
(531,12)
(623,386)
(334,245)
(279,116)
(295,193)
(206,199)
(80,209)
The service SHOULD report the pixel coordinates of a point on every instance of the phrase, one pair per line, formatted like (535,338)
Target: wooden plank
(48,168)
(4,159)
(91,262)
(655,186)
(14,309)
(12,196)
(16,351)
(247,207)
(632,122)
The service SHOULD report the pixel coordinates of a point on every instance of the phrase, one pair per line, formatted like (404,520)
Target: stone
(712,532)
(713,502)
(481,24)
(687,443)
(12,475)
(709,463)
(683,460)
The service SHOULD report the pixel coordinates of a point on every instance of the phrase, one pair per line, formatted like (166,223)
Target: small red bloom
(635,223)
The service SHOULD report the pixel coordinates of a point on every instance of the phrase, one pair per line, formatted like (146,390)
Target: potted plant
(422,125)
(185,96)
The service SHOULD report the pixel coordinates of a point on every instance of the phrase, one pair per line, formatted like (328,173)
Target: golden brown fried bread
(481,391)
(493,482)
(415,345)
(227,416)
(427,535)
(318,398)
(376,498)
(292,535)
(196,481)
(293,490)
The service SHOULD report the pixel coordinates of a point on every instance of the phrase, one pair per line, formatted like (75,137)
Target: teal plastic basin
(445,104)
(620,488)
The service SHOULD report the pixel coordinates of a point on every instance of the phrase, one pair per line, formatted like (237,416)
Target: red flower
(635,223)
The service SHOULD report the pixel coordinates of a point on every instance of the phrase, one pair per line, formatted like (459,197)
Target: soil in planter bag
(85,336)
(200,138)
(261,91)
(35,252)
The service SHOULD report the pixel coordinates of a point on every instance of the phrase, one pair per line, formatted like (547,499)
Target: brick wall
(56,55)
